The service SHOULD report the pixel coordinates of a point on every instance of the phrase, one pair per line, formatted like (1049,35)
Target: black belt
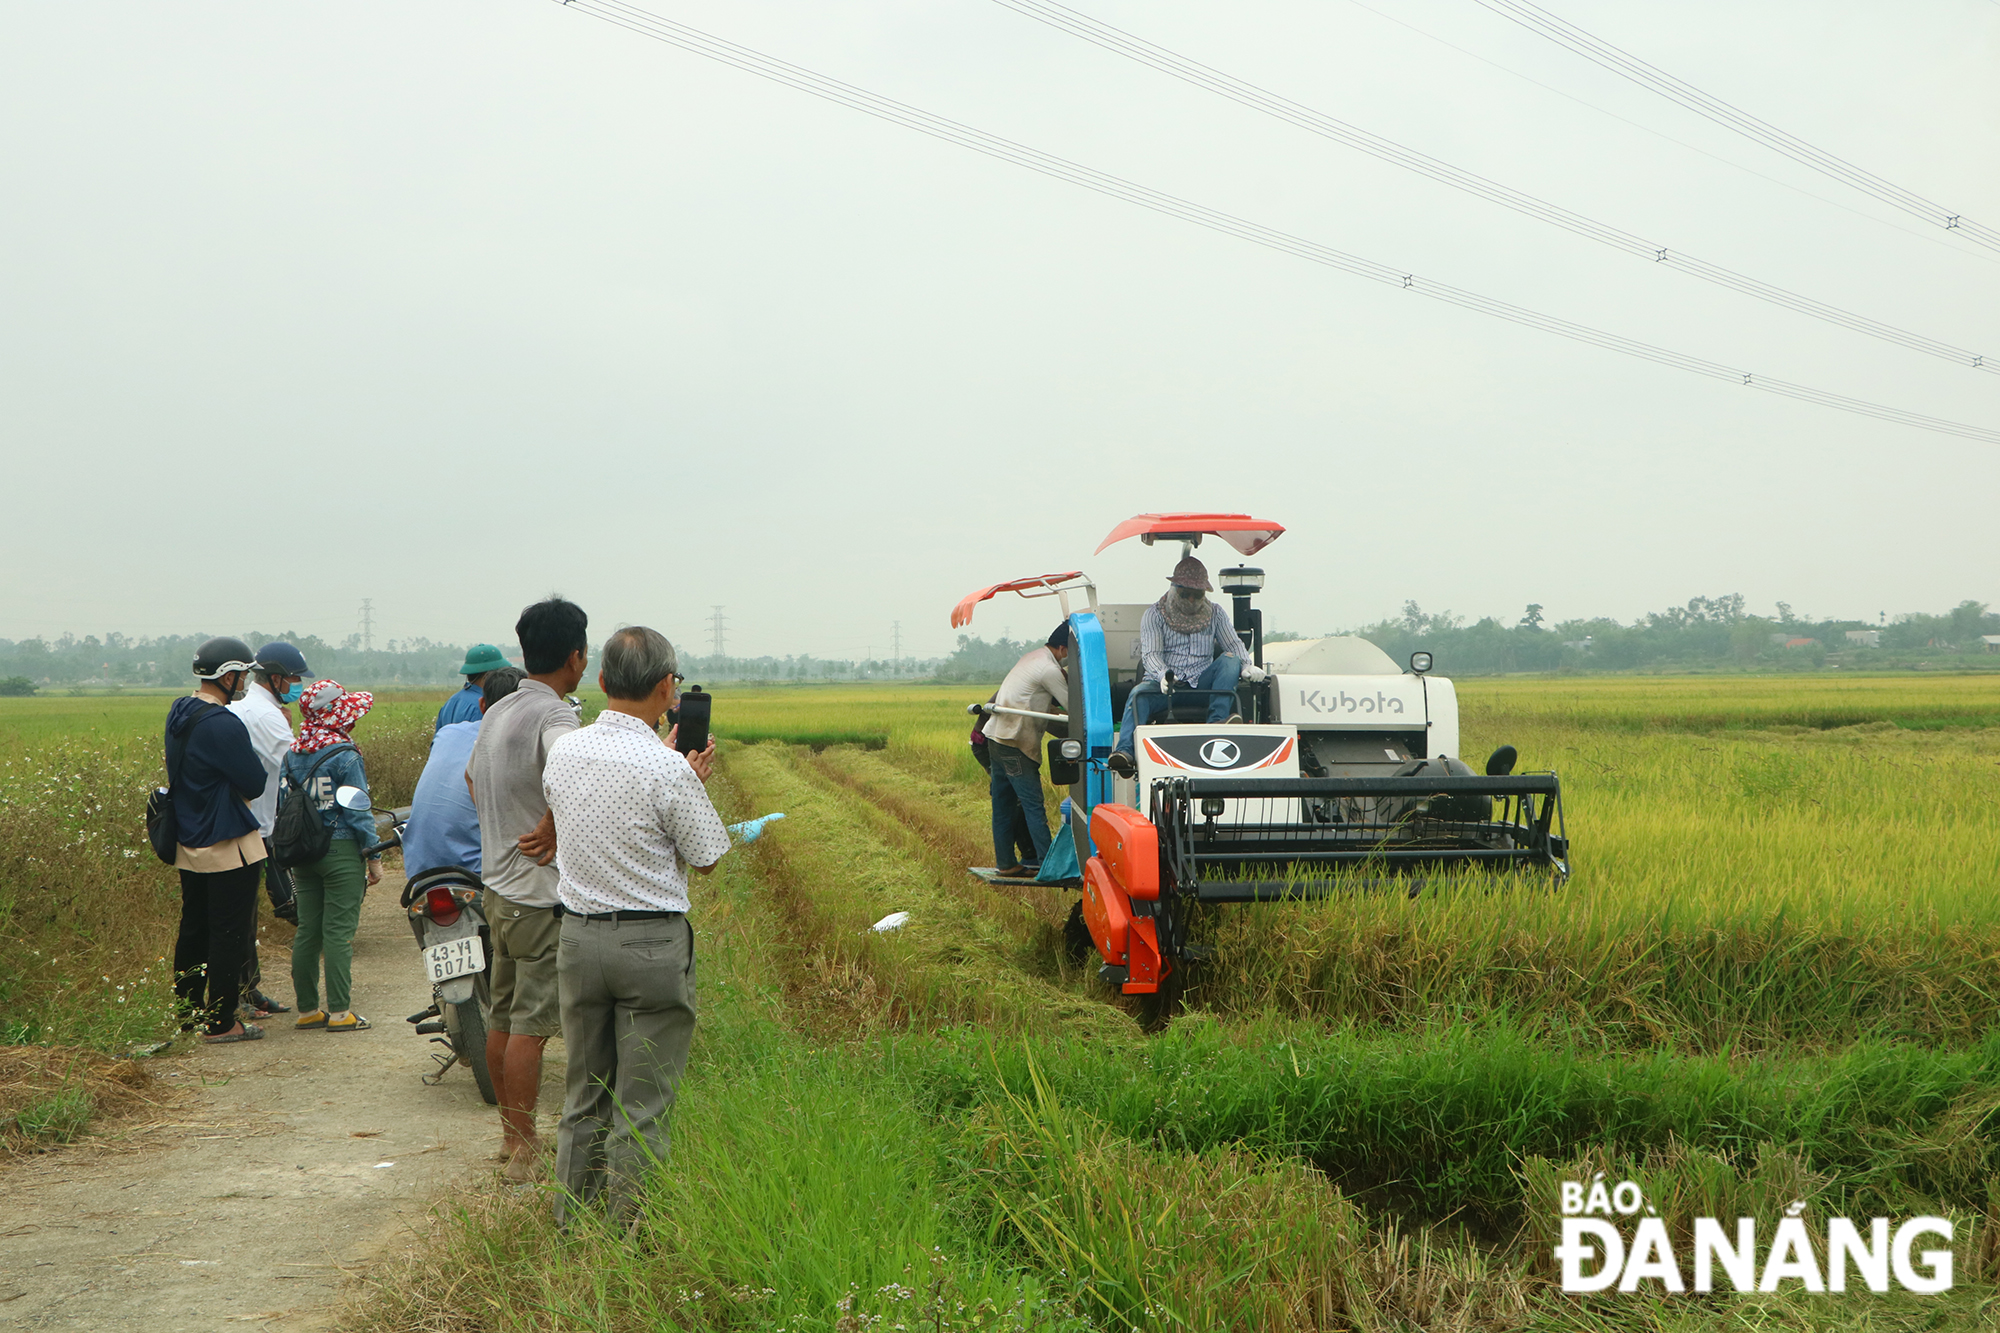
(621,916)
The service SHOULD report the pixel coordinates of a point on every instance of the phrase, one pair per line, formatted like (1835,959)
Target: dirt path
(294,1164)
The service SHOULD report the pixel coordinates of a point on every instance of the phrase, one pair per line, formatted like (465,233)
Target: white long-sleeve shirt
(271,737)
(1161,648)
(1037,684)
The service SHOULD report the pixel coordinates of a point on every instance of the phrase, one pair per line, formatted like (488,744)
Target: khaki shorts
(525,1000)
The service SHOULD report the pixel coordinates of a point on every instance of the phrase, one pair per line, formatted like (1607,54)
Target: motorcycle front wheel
(466,1026)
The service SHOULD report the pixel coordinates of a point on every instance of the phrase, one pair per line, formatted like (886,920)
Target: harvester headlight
(1241,580)
(1211,807)
(1420,662)
(1070,750)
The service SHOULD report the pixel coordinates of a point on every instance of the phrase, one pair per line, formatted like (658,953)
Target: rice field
(1772,978)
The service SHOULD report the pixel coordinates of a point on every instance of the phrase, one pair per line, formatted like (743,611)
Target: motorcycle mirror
(350,798)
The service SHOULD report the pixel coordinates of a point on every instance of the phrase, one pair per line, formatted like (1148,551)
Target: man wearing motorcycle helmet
(214,774)
(280,674)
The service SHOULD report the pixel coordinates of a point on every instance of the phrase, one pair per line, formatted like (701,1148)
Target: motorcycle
(443,906)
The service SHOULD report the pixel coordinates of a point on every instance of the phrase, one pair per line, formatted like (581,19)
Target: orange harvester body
(1125,870)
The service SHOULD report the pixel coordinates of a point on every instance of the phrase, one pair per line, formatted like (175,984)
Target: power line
(794,76)
(1602,53)
(716,625)
(1117,40)
(1879,221)
(368,624)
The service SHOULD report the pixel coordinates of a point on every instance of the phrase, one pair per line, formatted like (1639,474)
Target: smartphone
(692,721)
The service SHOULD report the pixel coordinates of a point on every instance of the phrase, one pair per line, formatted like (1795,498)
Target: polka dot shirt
(631,816)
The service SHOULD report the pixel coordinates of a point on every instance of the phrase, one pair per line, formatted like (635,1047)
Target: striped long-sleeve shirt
(1162,649)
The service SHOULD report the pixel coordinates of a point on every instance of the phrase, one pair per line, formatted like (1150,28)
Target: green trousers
(329,897)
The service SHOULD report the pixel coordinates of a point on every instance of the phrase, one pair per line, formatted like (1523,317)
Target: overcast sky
(448,304)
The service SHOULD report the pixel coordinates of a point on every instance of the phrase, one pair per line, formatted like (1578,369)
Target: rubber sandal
(354,1023)
(1015,872)
(315,1019)
(250,1032)
(260,1005)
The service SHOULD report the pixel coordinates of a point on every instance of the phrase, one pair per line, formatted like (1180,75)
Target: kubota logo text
(1343,702)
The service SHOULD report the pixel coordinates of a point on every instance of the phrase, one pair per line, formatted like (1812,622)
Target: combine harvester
(1345,772)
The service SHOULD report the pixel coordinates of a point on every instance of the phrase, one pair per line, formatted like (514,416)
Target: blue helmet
(282,658)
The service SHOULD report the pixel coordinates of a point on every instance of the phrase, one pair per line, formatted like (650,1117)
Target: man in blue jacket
(464,706)
(214,774)
(444,824)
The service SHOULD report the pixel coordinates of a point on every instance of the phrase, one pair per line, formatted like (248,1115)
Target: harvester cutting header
(1205,766)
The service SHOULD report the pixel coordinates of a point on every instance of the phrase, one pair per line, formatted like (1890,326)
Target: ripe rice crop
(1771,979)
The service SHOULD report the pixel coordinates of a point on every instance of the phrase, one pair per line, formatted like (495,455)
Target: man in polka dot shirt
(631,815)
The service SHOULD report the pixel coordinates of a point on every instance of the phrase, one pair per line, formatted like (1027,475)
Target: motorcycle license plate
(454,958)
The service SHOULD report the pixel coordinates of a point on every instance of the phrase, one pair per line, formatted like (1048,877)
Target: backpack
(162,824)
(299,835)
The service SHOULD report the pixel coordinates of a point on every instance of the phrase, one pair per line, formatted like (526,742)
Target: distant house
(1864,638)
(1801,643)
(1992,642)
(1779,637)
(1582,645)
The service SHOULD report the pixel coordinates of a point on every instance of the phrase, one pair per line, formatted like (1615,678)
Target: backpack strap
(324,755)
(175,763)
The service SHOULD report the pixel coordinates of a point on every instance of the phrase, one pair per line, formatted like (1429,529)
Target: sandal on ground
(1015,872)
(261,1005)
(353,1023)
(315,1019)
(250,1032)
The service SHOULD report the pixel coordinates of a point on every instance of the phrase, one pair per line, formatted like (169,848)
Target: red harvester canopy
(1248,535)
(961,615)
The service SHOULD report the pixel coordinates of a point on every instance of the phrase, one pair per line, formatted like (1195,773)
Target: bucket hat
(481,657)
(330,712)
(1191,573)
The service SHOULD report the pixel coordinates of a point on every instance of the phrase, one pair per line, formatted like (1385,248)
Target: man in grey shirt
(517,845)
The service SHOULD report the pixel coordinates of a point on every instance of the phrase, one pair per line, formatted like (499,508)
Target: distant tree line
(1706,633)
(116,662)
(805,667)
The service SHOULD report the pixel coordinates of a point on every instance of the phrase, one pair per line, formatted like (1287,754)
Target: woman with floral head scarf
(322,761)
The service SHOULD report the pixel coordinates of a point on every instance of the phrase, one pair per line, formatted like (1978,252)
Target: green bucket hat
(481,657)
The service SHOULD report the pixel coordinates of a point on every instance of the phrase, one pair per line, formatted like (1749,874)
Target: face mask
(242,686)
(292,692)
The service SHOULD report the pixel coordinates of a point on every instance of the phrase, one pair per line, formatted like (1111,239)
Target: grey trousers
(627,991)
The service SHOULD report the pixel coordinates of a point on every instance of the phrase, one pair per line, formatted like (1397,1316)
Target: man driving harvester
(1192,637)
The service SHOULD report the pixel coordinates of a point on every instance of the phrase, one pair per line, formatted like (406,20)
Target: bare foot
(524,1165)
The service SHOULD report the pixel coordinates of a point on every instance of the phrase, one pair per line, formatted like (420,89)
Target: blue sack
(1060,863)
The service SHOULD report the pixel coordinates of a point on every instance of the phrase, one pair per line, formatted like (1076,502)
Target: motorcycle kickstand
(444,1063)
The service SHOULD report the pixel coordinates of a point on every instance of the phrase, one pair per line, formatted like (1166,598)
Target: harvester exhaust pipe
(1241,582)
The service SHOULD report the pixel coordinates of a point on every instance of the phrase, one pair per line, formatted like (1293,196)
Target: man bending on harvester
(1189,635)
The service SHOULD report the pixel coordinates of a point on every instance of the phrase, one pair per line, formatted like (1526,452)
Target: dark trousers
(278,888)
(1017,796)
(208,952)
